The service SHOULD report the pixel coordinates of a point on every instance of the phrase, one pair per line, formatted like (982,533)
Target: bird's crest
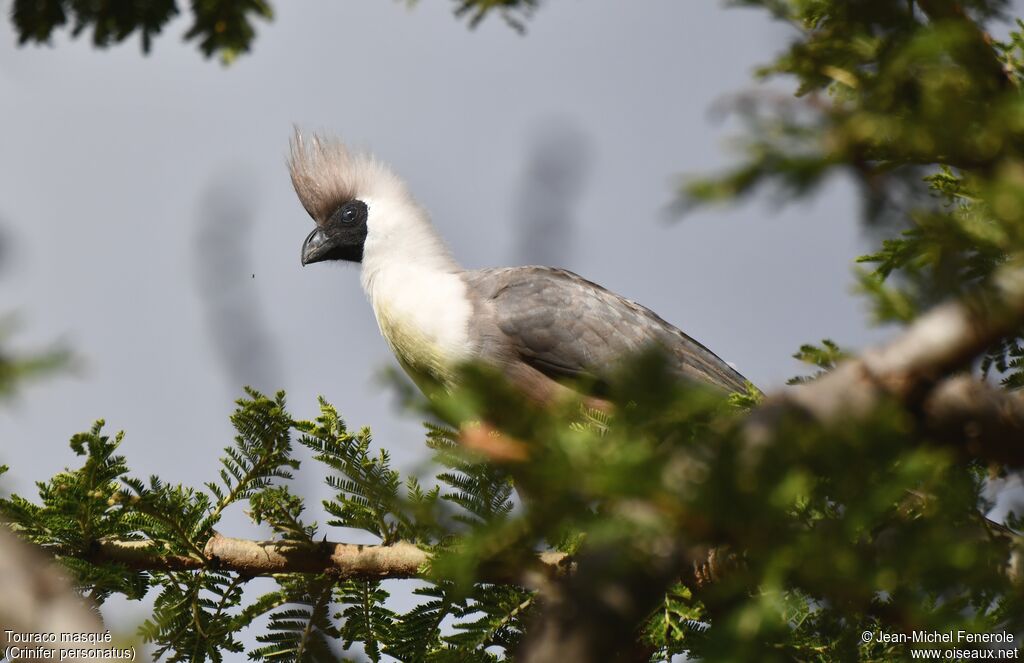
(326,174)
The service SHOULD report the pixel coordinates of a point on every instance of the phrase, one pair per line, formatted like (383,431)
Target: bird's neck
(404,246)
(418,297)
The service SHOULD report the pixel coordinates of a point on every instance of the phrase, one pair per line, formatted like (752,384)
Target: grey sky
(107,160)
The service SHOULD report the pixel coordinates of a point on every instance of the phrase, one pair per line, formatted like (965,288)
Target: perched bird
(543,327)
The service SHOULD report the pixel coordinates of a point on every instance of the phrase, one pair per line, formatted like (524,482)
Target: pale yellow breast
(424,316)
(420,355)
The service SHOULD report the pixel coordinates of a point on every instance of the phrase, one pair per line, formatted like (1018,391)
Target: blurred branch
(593,615)
(225,277)
(911,370)
(18,367)
(986,422)
(590,605)
(514,12)
(982,48)
(37,598)
(225,28)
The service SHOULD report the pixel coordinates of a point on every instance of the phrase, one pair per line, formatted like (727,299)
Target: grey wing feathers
(565,326)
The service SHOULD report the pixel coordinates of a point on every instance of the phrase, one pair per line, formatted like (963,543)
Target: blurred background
(147,219)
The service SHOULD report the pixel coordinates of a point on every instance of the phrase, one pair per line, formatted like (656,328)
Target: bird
(547,330)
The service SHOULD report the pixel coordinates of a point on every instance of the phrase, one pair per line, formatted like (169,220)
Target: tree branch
(592,615)
(262,558)
(981,421)
(38,598)
(982,48)
(912,370)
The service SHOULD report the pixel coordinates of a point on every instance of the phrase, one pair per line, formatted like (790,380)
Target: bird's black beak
(317,247)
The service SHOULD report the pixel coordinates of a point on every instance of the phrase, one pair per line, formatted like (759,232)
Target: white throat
(401,237)
(413,283)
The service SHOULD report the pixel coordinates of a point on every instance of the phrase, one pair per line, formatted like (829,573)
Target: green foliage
(921,106)
(277,507)
(305,629)
(841,531)
(368,493)
(17,368)
(824,357)
(514,12)
(870,57)
(199,614)
(365,619)
(192,617)
(493,619)
(746,399)
(75,509)
(822,532)
(483,491)
(846,529)
(675,626)
(261,453)
(222,28)
(1007,358)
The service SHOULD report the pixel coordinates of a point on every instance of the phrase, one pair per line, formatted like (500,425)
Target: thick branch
(262,558)
(592,615)
(982,421)
(982,49)
(913,370)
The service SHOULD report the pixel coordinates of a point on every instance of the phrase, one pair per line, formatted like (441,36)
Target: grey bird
(545,328)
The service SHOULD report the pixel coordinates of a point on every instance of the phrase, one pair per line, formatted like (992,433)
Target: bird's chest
(425,318)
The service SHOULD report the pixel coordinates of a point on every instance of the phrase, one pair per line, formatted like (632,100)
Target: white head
(363,211)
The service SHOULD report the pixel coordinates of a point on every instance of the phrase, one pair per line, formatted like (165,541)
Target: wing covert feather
(568,327)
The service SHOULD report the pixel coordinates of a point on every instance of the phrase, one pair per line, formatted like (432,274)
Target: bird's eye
(351,213)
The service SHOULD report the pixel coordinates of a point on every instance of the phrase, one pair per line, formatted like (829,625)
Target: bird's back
(568,327)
